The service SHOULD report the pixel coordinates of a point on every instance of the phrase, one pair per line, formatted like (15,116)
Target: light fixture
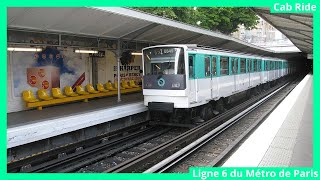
(85,51)
(136,53)
(24,49)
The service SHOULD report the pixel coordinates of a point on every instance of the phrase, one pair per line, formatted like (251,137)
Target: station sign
(100,54)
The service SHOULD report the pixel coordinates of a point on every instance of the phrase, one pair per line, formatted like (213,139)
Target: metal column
(118,68)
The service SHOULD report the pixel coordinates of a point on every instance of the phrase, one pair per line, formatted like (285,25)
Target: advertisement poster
(47,69)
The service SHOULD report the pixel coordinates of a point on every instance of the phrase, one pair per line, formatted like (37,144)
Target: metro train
(192,81)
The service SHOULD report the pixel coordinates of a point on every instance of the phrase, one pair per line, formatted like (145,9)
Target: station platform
(285,138)
(33,125)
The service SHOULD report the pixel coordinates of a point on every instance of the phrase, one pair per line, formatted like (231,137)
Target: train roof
(219,50)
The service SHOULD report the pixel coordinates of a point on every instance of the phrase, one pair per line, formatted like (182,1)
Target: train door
(259,70)
(192,79)
(267,69)
(235,66)
(214,80)
(249,67)
(243,75)
(277,69)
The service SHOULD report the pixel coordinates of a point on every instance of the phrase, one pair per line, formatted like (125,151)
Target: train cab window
(234,62)
(242,65)
(214,66)
(191,67)
(207,66)
(224,65)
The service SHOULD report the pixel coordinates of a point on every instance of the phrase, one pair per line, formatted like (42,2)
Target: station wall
(60,67)
(107,69)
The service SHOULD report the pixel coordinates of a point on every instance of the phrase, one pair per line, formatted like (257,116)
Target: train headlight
(175,85)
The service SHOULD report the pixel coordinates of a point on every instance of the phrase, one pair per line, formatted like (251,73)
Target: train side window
(234,65)
(273,65)
(254,68)
(224,65)
(242,65)
(207,66)
(214,66)
(258,65)
(191,67)
(249,65)
(267,65)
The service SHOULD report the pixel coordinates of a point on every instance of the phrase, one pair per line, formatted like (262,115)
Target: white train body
(186,76)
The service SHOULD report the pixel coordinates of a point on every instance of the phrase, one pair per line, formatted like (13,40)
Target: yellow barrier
(85,98)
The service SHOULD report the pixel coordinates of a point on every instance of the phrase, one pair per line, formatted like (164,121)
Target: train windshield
(164,60)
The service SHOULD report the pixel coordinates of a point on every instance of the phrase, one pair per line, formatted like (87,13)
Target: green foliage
(224,19)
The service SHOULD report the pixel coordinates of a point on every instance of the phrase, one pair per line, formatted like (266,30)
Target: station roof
(298,28)
(123,23)
(128,24)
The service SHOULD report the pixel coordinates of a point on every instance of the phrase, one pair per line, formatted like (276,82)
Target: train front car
(164,80)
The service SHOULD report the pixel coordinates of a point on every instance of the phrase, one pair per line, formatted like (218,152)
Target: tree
(223,19)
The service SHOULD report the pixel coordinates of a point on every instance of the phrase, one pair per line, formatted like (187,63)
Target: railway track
(74,157)
(134,150)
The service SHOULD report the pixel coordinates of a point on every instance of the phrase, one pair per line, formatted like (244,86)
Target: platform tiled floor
(285,138)
(293,143)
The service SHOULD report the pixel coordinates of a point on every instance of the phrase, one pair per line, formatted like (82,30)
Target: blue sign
(161,82)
